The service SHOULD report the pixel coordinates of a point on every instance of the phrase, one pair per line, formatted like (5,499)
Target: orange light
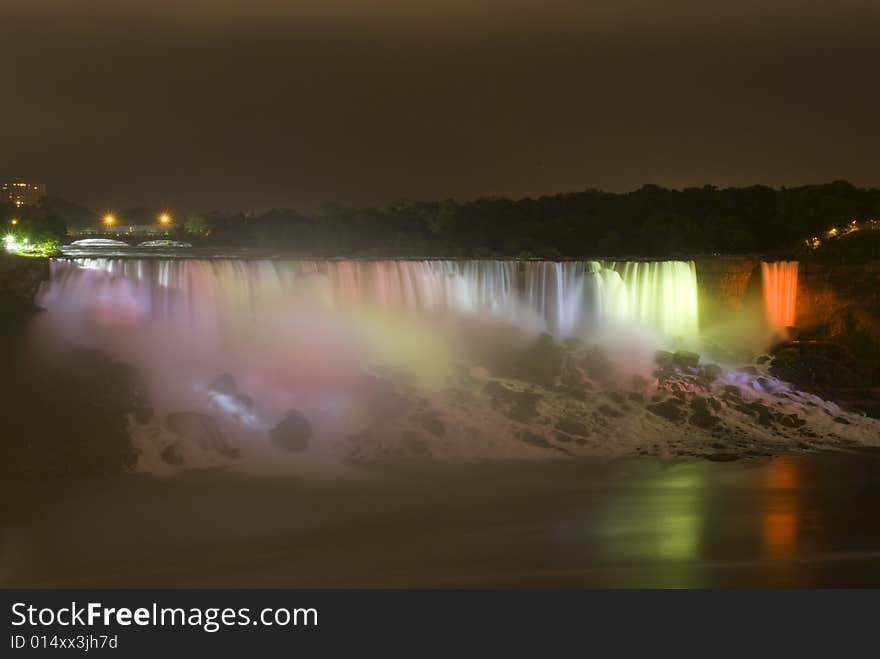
(109,220)
(13,221)
(165,218)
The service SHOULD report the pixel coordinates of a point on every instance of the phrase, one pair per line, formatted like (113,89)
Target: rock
(792,421)
(572,426)
(495,389)
(228,397)
(597,364)
(639,382)
(224,384)
(711,372)
(384,397)
(534,439)
(292,433)
(668,410)
(171,455)
(686,359)
(572,344)
(432,423)
(479,373)
(574,376)
(722,457)
(143,414)
(413,444)
(201,430)
(519,405)
(664,358)
(840,419)
(607,410)
(758,410)
(842,376)
(542,361)
(704,419)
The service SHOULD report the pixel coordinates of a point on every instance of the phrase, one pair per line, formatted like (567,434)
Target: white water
(567,299)
(376,354)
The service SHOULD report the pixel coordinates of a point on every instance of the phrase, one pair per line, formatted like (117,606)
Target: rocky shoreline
(550,400)
(20,279)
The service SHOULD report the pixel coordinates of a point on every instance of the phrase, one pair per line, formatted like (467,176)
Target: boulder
(171,455)
(201,430)
(686,359)
(711,372)
(542,361)
(229,396)
(414,445)
(597,364)
(668,409)
(704,419)
(572,426)
(664,358)
(292,433)
(431,422)
(534,439)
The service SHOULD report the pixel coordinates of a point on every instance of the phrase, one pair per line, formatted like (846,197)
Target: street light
(109,220)
(13,221)
(165,218)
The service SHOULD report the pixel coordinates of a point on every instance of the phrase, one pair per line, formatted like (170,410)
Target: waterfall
(779,280)
(573,297)
(214,296)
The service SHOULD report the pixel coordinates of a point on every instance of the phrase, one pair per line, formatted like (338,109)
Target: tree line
(650,221)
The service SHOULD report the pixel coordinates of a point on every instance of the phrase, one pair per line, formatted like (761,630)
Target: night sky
(260,103)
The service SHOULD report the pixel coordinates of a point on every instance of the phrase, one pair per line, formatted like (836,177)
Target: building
(21,193)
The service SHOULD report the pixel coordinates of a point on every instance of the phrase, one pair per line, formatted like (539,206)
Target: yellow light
(13,221)
(109,220)
(165,218)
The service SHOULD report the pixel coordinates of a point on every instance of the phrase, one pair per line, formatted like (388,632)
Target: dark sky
(259,103)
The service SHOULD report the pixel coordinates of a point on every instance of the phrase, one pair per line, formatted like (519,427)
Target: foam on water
(371,354)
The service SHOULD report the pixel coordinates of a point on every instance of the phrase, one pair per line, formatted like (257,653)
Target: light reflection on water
(796,521)
(780,516)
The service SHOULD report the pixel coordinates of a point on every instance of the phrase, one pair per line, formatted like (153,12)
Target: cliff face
(20,278)
(727,284)
(825,290)
(730,285)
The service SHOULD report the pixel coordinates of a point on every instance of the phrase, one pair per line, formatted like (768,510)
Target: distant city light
(109,220)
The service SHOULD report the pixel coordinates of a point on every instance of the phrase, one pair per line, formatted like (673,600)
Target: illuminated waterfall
(210,297)
(572,297)
(779,281)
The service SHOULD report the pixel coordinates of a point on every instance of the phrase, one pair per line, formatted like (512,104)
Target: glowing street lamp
(13,221)
(109,220)
(165,219)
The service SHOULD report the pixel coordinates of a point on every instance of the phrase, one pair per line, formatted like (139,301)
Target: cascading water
(574,297)
(780,282)
(565,298)
(272,364)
